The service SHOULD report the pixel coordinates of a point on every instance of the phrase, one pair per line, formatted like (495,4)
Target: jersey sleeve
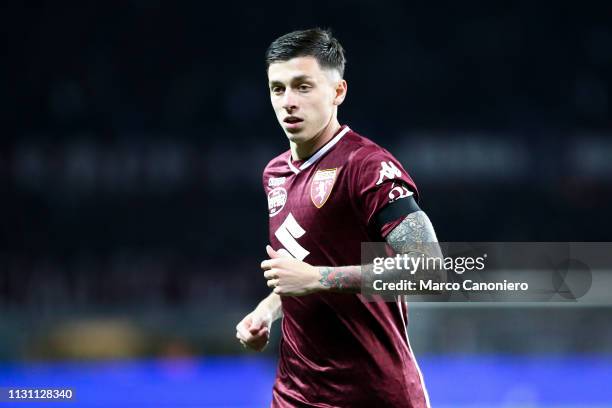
(378,180)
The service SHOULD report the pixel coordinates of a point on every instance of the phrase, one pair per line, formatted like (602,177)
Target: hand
(254,331)
(289,276)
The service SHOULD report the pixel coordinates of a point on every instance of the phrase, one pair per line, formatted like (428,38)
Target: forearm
(271,306)
(413,237)
(356,278)
(342,279)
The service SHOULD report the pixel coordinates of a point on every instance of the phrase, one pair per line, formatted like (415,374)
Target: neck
(304,150)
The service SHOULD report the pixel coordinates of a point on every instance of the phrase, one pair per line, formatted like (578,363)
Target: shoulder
(370,166)
(362,151)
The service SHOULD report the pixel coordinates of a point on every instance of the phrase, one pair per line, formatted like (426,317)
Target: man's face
(304,96)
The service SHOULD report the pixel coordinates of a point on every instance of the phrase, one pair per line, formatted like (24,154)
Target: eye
(277,90)
(304,88)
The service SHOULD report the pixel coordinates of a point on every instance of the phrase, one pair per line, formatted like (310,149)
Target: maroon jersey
(337,350)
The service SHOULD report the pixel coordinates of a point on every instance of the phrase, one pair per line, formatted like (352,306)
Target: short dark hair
(314,42)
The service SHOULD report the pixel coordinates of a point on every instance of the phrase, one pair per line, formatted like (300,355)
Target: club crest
(321,186)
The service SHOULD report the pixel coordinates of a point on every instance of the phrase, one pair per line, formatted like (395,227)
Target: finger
(272,283)
(245,322)
(244,341)
(244,333)
(263,332)
(256,325)
(271,274)
(268,264)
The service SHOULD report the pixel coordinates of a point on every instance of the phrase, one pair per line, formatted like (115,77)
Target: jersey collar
(313,159)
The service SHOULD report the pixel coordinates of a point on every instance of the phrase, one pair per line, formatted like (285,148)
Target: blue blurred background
(134,134)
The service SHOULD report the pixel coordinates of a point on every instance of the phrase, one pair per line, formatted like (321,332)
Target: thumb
(272,253)
(257,324)
(281,253)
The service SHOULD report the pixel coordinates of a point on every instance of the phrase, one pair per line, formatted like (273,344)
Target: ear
(340,92)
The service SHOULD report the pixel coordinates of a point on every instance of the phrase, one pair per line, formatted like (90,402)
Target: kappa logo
(276,181)
(321,186)
(276,200)
(388,170)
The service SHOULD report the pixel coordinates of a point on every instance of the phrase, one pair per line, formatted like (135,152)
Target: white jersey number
(287,234)
(398,192)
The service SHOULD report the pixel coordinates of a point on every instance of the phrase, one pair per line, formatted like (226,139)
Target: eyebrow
(299,78)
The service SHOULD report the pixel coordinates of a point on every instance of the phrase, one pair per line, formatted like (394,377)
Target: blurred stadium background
(133,138)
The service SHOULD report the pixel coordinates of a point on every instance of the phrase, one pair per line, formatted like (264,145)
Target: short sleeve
(379,180)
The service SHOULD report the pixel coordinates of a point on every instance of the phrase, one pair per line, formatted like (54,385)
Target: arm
(290,277)
(253,331)
(414,236)
(270,308)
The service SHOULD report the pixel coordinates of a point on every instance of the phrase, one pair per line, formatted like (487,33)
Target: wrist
(323,281)
(342,279)
(265,312)
(272,306)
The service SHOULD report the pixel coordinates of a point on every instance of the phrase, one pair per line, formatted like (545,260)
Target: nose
(289,101)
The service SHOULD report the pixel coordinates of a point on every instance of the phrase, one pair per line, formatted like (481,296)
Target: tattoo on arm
(415,237)
(414,234)
(341,278)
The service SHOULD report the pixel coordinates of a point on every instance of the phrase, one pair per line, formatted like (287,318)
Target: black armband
(395,210)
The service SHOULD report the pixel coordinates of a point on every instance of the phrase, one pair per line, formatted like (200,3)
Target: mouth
(292,120)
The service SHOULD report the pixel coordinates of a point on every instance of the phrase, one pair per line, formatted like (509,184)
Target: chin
(295,135)
(294,131)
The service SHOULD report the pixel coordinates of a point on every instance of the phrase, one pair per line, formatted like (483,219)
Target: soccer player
(332,190)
